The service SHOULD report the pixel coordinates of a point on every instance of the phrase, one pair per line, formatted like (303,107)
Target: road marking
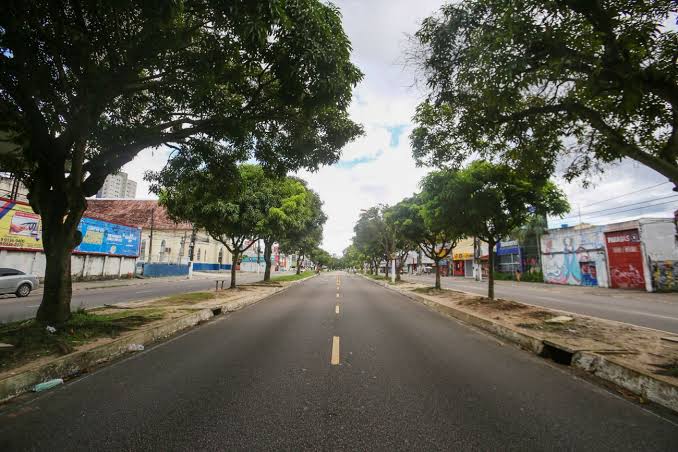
(336,309)
(337,295)
(32,305)
(335,351)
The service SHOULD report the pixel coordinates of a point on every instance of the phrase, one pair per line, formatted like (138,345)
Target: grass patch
(188,298)
(31,339)
(293,277)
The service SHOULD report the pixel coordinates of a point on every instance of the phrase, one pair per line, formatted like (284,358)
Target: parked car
(17,282)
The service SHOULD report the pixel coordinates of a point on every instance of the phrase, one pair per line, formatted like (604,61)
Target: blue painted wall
(157,270)
(204,266)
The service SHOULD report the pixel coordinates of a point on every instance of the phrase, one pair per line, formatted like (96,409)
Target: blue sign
(103,237)
(507,247)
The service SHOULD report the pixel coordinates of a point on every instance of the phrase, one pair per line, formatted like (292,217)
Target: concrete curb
(75,363)
(640,383)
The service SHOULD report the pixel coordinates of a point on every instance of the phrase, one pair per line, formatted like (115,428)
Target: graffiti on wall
(665,276)
(574,257)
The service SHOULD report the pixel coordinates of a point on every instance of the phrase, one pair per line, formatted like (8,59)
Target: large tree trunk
(268,250)
(60,235)
(437,275)
(490,274)
(299,258)
(236,255)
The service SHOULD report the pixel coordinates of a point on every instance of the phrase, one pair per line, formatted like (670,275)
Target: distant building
(8,183)
(162,240)
(640,254)
(118,186)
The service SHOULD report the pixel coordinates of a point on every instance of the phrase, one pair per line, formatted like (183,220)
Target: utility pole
(393,275)
(476,259)
(258,256)
(191,249)
(150,245)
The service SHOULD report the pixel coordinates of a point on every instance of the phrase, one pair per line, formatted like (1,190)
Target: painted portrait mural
(575,257)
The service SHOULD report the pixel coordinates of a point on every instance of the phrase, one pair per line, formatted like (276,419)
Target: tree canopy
(489,201)
(529,81)
(86,85)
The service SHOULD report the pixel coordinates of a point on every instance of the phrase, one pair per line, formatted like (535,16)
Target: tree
(491,200)
(321,258)
(421,221)
(229,205)
(85,86)
(369,237)
(532,80)
(397,218)
(289,205)
(303,240)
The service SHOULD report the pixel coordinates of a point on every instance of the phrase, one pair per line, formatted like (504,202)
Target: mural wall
(665,276)
(575,257)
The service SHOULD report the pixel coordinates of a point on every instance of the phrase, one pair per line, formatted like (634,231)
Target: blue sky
(379,168)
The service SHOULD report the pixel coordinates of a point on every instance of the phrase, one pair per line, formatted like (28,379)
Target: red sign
(626,259)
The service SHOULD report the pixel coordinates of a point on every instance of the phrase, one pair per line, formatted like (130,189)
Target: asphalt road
(652,310)
(84,296)
(262,379)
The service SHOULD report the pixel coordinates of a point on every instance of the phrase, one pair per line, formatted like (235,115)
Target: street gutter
(73,364)
(634,380)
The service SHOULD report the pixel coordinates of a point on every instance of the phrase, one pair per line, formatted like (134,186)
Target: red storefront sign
(626,259)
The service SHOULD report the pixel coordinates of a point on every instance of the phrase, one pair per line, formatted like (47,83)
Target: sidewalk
(124,282)
(640,295)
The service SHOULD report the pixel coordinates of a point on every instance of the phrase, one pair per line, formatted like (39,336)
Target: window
(142,253)
(198,254)
(221,256)
(162,250)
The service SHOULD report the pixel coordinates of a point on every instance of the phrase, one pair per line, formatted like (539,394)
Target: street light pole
(393,277)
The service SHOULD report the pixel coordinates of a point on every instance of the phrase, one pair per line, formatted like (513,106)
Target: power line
(626,194)
(629,210)
(619,207)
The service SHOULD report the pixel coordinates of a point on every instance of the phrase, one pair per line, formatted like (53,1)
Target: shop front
(509,257)
(463,263)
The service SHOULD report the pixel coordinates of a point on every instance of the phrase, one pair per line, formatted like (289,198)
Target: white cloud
(387,98)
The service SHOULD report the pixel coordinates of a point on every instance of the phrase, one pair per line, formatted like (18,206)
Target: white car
(17,282)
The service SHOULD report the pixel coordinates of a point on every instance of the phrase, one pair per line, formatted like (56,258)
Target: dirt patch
(631,346)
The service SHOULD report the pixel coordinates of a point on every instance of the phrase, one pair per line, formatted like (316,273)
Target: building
(107,250)
(639,254)
(118,186)
(9,184)
(163,241)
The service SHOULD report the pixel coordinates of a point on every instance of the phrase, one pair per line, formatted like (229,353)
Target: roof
(133,212)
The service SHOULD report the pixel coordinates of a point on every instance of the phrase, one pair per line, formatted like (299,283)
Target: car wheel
(23,290)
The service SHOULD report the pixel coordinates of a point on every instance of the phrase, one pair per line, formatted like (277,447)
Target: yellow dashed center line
(335,351)
(336,309)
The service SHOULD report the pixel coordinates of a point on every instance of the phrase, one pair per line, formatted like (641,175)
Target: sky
(379,168)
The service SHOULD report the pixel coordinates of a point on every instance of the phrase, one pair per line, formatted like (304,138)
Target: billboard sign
(102,237)
(21,228)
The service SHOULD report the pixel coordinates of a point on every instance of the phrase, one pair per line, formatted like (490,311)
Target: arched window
(198,254)
(221,256)
(163,246)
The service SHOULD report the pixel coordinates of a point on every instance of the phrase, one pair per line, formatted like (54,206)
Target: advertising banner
(20,228)
(102,237)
